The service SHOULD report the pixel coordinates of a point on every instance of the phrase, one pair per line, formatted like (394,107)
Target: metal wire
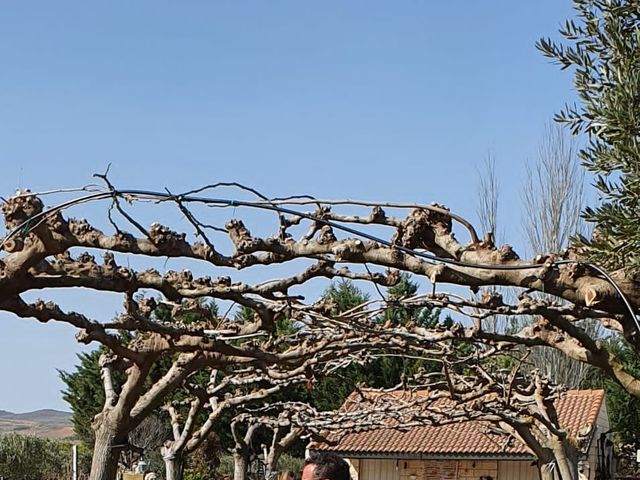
(31,223)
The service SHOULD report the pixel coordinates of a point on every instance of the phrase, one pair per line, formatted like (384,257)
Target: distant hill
(42,423)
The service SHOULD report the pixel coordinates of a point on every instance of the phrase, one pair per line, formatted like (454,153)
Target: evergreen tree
(84,393)
(401,314)
(386,371)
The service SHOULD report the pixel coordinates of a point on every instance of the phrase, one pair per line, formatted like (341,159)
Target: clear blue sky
(398,101)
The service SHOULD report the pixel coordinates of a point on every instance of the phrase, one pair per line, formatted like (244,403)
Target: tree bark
(567,461)
(240,466)
(558,466)
(548,471)
(270,472)
(106,452)
(173,463)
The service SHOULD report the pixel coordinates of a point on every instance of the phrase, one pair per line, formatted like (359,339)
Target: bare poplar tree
(553,198)
(487,213)
(488,195)
(553,194)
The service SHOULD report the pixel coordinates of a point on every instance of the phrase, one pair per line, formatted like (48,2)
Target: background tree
(487,212)
(553,200)
(37,256)
(84,393)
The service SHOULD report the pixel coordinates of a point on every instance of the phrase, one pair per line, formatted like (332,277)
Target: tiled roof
(578,410)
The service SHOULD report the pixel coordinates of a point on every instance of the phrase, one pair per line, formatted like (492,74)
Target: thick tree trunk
(567,460)
(240,466)
(548,471)
(106,452)
(559,468)
(270,473)
(173,464)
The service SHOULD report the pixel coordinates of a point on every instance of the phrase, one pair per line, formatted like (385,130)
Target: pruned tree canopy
(261,259)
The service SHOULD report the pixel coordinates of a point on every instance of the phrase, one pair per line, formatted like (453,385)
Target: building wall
(388,469)
(520,470)
(602,425)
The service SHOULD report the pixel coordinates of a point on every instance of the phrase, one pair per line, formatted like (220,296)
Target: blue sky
(396,101)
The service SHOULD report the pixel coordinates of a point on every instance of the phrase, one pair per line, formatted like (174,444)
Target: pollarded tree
(141,368)
(201,411)
(37,258)
(505,402)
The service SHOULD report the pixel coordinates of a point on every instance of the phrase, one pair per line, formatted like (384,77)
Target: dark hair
(329,466)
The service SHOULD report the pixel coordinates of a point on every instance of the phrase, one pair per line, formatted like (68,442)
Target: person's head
(325,466)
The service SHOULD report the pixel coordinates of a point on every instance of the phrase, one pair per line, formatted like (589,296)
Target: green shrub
(25,457)
(226,466)
(293,464)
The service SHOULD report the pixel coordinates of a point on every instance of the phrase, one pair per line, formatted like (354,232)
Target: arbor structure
(365,242)
(421,242)
(144,366)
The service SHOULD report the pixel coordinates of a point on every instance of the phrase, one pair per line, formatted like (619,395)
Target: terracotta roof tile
(577,410)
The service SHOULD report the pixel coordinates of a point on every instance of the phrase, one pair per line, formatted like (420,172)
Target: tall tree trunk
(270,473)
(558,466)
(240,465)
(271,462)
(173,464)
(567,460)
(548,471)
(106,452)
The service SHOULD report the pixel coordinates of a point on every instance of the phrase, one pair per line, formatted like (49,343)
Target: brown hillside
(41,423)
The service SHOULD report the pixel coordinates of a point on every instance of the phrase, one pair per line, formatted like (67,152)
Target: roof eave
(432,456)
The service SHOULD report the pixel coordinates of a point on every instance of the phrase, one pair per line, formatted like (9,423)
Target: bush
(226,466)
(293,464)
(31,458)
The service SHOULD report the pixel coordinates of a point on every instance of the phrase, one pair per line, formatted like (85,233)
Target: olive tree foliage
(602,48)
